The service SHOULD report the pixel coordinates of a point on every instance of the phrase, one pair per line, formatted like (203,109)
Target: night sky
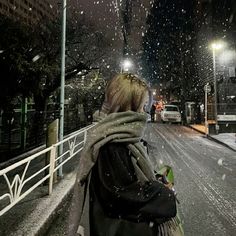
(104,15)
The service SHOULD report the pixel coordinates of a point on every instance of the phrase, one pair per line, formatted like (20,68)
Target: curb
(211,138)
(54,214)
(199,131)
(222,143)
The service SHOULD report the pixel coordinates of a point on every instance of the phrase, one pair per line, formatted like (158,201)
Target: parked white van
(170,113)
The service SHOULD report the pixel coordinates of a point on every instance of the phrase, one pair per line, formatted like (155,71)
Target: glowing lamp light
(127,64)
(217,45)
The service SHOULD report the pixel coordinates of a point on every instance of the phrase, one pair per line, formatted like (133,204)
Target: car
(170,113)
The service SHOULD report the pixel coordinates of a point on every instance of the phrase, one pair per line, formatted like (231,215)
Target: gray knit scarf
(122,127)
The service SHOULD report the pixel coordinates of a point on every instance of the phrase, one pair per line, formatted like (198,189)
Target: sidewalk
(36,212)
(226,139)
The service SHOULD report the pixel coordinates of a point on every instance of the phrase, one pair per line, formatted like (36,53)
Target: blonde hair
(125,92)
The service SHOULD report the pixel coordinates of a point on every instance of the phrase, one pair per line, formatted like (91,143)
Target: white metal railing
(16,180)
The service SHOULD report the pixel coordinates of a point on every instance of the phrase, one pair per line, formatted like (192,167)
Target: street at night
(118,117)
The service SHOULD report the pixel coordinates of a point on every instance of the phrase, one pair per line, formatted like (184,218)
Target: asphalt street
(205,179)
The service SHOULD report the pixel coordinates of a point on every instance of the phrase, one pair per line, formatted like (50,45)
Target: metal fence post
(23,123)
(52,138)
(51,168)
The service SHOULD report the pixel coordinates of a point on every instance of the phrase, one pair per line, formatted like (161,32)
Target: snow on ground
(45,207)
(207,142)
(227,138)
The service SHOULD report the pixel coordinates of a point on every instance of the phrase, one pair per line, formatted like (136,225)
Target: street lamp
(126,65)
(62,91)
(215,46)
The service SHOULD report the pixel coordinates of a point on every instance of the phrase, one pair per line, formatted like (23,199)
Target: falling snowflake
(220,162)
(35,58)
(223,176)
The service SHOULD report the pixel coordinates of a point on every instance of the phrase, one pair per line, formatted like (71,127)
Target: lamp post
(62,92)
(215,46)
(126,65)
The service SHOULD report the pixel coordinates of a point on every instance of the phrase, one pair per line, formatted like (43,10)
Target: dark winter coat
(116,192)
(153,109)
(120,204)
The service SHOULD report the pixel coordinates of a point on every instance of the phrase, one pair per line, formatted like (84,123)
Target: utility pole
(216,46)
(125,20)
(215,90)
(23,122)
(62,92)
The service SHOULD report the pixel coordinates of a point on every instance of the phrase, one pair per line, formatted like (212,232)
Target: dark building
(216,21)
(28,11)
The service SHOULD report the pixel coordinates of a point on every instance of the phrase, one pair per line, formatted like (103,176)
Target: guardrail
(18,186)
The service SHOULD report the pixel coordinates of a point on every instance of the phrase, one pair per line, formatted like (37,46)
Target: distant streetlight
(215,46)
(126,65)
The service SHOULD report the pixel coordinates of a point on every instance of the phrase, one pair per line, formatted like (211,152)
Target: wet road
(205,175)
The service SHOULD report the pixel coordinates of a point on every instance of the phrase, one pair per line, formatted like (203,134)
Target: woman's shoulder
(112,147)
